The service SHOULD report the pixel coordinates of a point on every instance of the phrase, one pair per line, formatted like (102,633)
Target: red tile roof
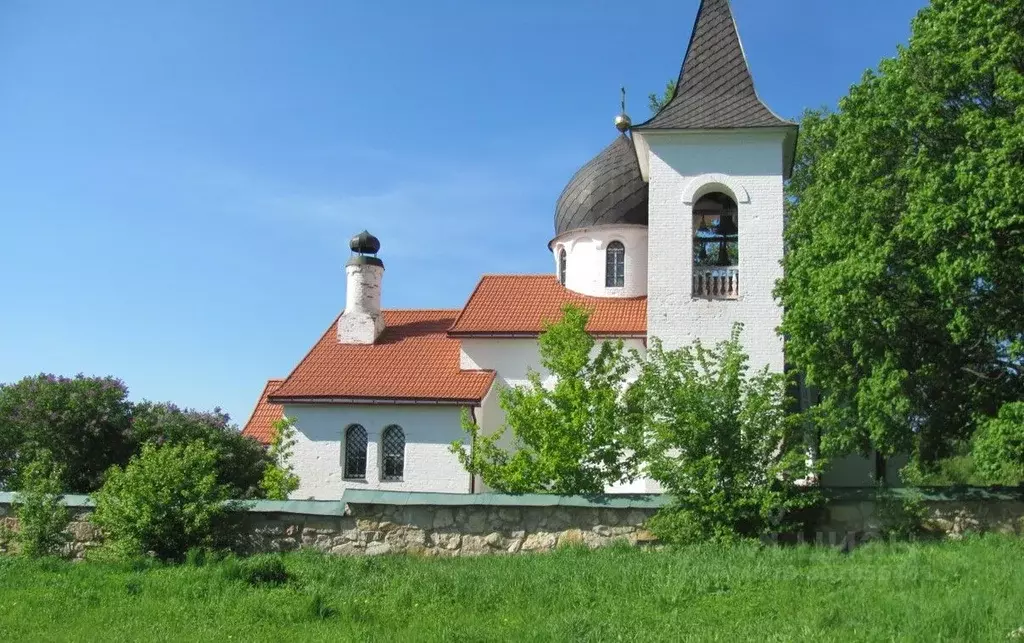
(261,423)
(412,360)
(518,305)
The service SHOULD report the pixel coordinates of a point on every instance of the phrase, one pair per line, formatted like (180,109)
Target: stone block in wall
(405,537)
(443,517)
(377,549)
(540,541)
(472,520)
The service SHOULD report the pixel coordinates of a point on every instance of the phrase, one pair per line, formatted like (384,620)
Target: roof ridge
(516,274)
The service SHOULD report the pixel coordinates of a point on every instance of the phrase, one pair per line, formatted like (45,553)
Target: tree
(721,441)
(240,461)
(656,102)
(571,437)
(167,500)
(279,479)
(905,239)
(999,446)
(83,423)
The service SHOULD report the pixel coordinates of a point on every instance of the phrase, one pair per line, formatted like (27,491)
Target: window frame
(346,470)
(615,267)
(563,257)
(385,435)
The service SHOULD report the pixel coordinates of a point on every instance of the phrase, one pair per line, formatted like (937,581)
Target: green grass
(956,591)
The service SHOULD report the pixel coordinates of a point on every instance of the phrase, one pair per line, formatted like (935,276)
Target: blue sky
(178,180)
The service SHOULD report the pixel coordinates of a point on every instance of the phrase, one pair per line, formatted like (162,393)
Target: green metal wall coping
(406,498)
(931,494)
(308,507)
(609,501)
(71,500)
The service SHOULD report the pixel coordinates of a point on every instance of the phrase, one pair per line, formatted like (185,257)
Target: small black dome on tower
(607,190)
(365,243)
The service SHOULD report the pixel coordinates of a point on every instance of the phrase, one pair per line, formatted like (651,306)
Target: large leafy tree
(87,425)
(905,264)
(570,436)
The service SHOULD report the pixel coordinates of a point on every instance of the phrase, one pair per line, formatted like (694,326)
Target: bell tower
(715,158)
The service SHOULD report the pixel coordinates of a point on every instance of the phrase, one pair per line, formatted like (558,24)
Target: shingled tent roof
(715,89)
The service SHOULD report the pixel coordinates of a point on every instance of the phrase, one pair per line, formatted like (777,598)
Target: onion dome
(606,191)
(364,244)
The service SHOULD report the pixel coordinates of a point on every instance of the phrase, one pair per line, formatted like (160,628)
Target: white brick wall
(429,430)
(752,161)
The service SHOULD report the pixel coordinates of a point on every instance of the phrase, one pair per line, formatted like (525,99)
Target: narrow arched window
(392,453)
(561,266)
(355,453)
(615,265)
(716,248)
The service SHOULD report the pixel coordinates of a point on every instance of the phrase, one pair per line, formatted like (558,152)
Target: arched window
(355,453)
(392,453)
(561,266)
(716,249)
(615,265)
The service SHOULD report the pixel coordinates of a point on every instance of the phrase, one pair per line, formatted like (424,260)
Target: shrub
(999,445)
(82,422)
(721,442)
(165,501)
(42,516)
(239,461)
(279,479)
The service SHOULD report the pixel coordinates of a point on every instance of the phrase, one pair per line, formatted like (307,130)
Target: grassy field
(960,591)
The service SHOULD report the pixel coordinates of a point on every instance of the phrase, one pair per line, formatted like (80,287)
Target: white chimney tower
(362,321)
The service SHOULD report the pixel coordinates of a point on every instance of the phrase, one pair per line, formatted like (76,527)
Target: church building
(674,230)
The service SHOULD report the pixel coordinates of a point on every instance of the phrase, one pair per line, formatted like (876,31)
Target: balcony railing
(716,283)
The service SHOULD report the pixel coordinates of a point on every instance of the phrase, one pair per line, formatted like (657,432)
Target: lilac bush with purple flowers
(84,423)
(88,425)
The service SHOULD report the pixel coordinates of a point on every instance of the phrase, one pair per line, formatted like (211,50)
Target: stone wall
(372,529)
(380,522)
(368,523)
(946,513)
(82,534)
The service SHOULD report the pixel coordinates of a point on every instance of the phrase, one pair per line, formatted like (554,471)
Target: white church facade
(674,231)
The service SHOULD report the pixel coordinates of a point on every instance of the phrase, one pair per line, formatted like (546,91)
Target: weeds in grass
(319,609)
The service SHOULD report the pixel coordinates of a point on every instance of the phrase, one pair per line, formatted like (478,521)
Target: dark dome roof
(605,191)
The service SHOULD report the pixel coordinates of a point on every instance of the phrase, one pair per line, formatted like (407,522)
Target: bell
(727,226)
(723,254)
(703,228)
